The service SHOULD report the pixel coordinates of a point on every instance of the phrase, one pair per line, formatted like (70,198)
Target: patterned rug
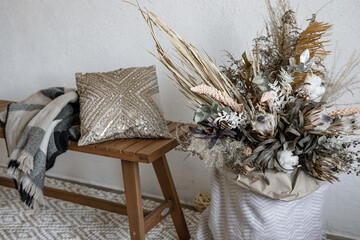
(64,220)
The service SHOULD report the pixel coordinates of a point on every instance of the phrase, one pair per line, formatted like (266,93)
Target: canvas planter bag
(236,212)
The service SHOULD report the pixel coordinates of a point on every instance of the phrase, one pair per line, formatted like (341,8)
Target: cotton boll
(313,80)
(313,86)
(286,161)
(317,92)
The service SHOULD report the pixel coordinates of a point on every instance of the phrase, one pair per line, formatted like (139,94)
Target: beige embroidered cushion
(120,104)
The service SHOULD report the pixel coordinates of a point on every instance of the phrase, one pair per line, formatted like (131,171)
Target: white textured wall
(44,43)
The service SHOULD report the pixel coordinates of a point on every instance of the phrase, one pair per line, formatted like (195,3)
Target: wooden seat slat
(133,149)
(119,147)
(74,145)
(158,146)
(154,150)
(4,104)
(172,126)
(106,145)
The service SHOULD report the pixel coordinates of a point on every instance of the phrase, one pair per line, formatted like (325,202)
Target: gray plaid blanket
(36,131)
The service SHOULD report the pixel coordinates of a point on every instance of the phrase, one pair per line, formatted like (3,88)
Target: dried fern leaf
(311,39)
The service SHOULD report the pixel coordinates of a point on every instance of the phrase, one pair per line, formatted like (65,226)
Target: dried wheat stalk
(345,111)
(219,96)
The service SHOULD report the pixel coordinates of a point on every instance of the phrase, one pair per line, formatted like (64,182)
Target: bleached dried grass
(343,80)
(191,69)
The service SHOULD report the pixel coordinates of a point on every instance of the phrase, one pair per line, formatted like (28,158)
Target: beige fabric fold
(282,186)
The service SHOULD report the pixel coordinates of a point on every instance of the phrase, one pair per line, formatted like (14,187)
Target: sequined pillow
(120,104)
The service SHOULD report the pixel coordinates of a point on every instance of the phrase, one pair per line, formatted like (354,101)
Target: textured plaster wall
(43,43)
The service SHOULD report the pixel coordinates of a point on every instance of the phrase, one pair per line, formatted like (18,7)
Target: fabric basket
(237,213)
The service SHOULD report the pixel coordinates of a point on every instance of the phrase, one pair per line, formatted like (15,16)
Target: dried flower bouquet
(269,109)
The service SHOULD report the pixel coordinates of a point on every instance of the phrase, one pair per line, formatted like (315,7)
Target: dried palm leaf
(192,69)
(311,39)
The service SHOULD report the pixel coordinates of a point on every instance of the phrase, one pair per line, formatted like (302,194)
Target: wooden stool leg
(134,210)
(168,188)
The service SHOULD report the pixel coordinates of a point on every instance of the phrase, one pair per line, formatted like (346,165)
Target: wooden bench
(131,152)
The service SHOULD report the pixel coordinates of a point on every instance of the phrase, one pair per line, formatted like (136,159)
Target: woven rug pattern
(65,220)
